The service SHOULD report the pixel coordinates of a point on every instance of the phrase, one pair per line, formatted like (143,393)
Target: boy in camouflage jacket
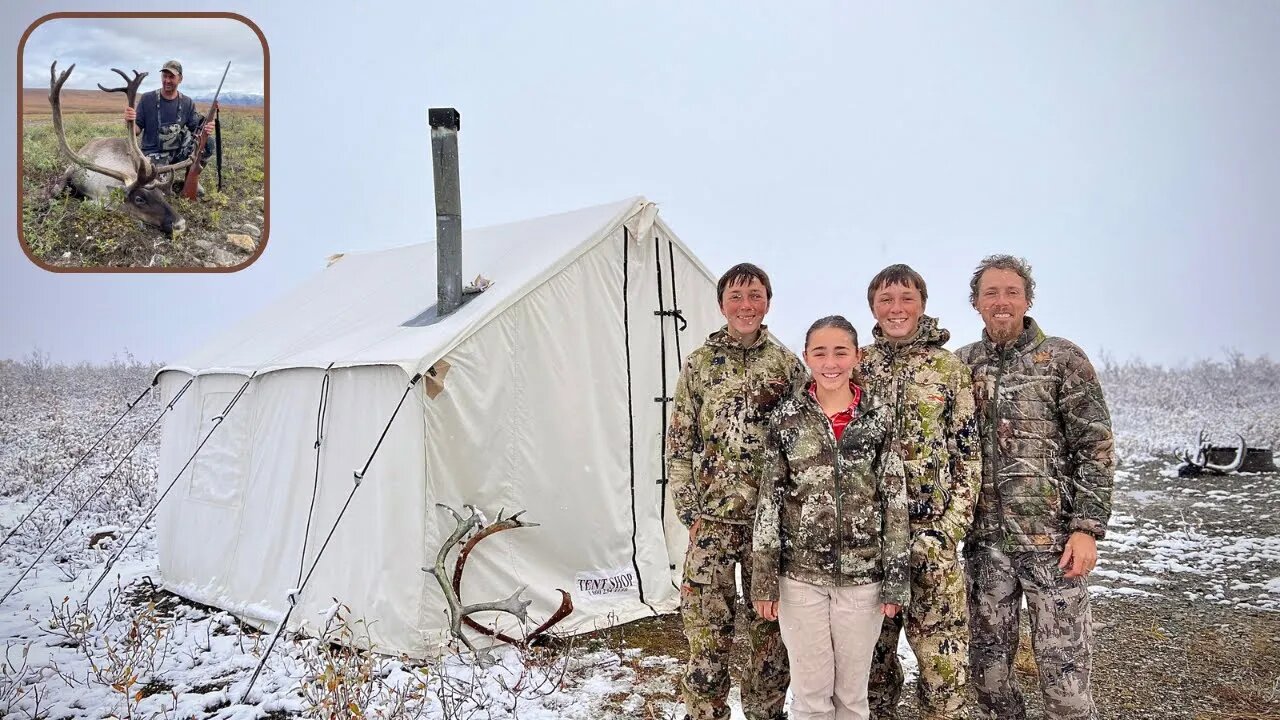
(1045,501)
(935,432)
(714,445)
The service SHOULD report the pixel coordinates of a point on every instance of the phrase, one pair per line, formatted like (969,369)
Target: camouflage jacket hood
(831,512)
(930,391)
(1049,453)
(715,437)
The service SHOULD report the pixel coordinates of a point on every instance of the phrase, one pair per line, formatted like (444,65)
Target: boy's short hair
(743,273)
(898,274)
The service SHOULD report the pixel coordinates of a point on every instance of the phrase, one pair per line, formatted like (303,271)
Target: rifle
(192,183)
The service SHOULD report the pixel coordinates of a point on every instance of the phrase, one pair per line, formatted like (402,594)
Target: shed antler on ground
(1222,459)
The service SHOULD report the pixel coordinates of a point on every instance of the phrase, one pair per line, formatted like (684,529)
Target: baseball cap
(173,66)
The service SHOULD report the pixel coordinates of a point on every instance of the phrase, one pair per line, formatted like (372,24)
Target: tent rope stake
(321,413)
(217,422)
(295,593)
(105,478)
(128,408)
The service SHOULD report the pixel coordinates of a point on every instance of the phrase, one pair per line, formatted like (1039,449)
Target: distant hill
(226,98)
(35,102)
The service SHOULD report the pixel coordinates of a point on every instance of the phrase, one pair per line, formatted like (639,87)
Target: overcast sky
(1128,150)
(95,45)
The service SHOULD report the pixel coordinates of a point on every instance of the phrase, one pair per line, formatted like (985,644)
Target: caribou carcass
(1222,459)
(106,163)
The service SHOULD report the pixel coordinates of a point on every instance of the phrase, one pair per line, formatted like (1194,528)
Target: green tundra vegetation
(68,231)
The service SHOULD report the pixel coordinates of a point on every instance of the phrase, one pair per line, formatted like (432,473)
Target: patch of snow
(1104,590)
(1127,577)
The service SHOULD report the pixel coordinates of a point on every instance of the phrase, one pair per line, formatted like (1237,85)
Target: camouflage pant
(1061,634)
(709,606)
(937,629)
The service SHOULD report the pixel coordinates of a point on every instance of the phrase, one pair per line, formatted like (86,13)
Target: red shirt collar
(857,395)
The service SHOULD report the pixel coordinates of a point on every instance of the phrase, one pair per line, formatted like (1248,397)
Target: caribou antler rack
(1199,462)
(450,587)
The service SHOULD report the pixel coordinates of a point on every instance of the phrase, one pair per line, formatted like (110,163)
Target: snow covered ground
(136,652)
(1210,539)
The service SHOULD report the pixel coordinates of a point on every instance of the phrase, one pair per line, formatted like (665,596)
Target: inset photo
(143,142)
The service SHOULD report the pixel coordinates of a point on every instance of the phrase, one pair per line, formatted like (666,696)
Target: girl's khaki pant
(830,633)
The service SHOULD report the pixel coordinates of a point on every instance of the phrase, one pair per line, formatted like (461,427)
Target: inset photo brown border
(122,167)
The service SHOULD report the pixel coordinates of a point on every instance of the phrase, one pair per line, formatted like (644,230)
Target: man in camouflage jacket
(936,436)
(714,446)
(1045,499)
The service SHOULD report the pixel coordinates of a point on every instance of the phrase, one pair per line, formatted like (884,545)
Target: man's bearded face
(169,82)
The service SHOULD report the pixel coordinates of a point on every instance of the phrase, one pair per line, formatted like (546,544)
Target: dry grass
(1024,663)
(639,644)
(662,635)
(1238,715)
(1250,689)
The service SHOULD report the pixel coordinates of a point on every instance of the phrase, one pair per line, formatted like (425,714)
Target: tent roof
(352,313)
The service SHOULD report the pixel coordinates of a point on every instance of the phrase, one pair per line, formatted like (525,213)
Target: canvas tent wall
(554,400)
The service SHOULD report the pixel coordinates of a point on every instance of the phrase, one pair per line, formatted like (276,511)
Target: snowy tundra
(134,651)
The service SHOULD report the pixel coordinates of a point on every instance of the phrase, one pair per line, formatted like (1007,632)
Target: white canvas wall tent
(547,393)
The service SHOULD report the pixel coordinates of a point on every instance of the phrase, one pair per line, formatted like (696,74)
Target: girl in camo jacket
(831,534)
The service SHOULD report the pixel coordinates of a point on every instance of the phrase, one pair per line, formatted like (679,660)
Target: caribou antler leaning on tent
(451,586)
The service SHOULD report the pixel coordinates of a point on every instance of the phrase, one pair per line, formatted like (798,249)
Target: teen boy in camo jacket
(715,439)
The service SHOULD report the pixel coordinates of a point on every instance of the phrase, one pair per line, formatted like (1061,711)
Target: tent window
(220,469)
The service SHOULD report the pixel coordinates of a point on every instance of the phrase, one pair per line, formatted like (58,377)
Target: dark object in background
(1225,459)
